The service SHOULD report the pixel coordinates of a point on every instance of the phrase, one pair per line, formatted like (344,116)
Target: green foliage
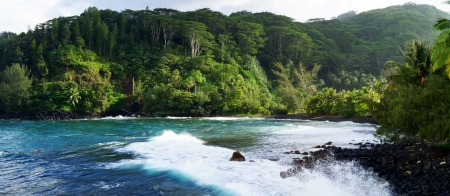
(358,102)
(416,101)
(295,85)
(203,62)
(14,87)
(378,34)
(441,49)
(349,14)
(409,110)
(56,95)
(444,146)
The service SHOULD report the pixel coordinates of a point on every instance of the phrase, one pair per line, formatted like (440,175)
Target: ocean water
(177,156)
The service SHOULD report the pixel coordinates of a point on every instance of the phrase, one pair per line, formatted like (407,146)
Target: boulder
(237,156)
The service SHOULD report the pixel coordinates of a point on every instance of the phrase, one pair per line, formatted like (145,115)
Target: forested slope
(200,62)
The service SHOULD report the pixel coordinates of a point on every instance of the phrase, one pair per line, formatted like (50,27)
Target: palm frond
(441,59)
(443,36)
(447,69)
(441,44)
(442,24)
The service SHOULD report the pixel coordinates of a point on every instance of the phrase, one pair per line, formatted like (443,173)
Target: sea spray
(137,156)
(187,157)
(340,177)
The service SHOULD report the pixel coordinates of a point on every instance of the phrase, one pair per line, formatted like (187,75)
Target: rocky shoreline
(50,115)
(68,115)
(411,167)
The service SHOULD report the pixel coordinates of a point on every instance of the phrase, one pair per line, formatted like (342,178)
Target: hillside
(203,62)
(364,42)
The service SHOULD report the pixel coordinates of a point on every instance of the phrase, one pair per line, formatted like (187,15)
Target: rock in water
(237,156)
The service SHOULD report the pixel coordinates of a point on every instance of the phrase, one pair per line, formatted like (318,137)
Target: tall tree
(14,85)
(65,33)
(168,29)
(250,38)
(198,36)
(417,62)
(112,39)
(54,32)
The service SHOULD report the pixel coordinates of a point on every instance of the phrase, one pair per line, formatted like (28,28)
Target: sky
(19,15)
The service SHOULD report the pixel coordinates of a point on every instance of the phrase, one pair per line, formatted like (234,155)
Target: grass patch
(445,146)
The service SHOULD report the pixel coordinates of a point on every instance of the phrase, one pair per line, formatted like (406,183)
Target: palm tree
(74,96)
(417,62)
(441,50)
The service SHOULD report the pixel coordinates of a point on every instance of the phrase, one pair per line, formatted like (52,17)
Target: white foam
(176,117)
(111,145)
(104,185)
(119,117)
(228,118)
(209,165)
(305,127)
(306,135)
(342,178)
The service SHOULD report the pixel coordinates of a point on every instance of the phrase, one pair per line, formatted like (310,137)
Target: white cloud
(16,15)
(74,9)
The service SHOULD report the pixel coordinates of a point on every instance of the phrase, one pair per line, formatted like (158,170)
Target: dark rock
(297,162)
(410,166)
(328,143)
(237,156)
(297,152)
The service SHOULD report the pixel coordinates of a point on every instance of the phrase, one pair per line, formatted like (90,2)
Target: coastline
(410,166)
(75,115)
(319,117)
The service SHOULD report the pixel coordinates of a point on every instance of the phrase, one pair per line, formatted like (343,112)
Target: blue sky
(18,15)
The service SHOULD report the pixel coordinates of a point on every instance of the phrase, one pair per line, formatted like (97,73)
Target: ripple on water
(192,164)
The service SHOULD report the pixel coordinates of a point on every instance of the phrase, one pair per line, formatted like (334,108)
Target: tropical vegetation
(203,62)
(416,102)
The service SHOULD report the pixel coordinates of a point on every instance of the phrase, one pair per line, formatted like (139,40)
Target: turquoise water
(176,156)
